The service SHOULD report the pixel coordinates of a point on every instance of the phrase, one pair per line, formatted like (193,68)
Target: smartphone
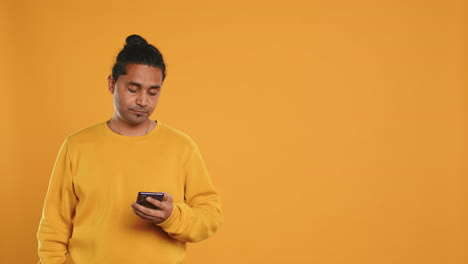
(141,199)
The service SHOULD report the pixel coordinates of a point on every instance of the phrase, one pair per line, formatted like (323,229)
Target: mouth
(138,112)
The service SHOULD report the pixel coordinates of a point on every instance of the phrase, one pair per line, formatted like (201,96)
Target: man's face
(136,94)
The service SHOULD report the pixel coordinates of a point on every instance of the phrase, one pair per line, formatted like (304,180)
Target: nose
(142,99)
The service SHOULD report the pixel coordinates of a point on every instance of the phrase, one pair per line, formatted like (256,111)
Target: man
(88,214)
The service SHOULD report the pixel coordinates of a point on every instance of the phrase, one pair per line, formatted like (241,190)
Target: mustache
(139,109)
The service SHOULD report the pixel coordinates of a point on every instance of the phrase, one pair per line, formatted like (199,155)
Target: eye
(153,92)
(132,90)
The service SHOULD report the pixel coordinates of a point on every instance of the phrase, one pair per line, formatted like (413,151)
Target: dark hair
(137,51)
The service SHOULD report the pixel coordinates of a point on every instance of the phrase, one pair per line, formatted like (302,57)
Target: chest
(101,172)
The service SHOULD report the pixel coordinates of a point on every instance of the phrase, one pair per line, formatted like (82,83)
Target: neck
(130,130)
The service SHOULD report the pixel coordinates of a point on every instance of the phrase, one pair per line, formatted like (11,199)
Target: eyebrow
(139,85)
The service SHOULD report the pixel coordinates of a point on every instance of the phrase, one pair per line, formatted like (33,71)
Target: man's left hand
(155,216)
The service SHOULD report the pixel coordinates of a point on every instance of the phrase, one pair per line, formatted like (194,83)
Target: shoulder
(91,133)
(174,135)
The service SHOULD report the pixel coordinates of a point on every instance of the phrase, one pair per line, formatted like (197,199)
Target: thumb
(167,198)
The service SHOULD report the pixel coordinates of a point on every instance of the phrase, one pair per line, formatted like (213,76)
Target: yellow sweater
(98,174)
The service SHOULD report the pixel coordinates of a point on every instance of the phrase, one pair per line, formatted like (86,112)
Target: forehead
(143,74)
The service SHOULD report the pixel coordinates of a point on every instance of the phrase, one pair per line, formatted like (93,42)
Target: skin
(136,95)
(152,215)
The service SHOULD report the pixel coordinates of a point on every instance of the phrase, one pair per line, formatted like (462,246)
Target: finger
(149,218)
(143,216)
(141,209)
(155,202)
(145,210)
(167,198)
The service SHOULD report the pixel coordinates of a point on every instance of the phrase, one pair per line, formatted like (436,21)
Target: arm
(56,223)
(199,216)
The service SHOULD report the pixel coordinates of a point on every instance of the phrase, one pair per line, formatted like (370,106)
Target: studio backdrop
(335,131)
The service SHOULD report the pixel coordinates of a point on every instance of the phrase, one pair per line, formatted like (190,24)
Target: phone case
(141,199)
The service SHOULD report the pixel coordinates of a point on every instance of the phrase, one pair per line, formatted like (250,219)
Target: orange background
(335,131)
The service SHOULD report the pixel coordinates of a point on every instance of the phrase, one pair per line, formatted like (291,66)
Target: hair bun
(134,40)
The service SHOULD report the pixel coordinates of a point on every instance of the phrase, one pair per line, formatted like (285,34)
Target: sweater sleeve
(56,226)
(200,216)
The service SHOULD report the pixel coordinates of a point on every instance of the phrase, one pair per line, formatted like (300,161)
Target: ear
(110,84)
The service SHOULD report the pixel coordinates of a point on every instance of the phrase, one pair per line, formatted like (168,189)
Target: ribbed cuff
(172,219)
